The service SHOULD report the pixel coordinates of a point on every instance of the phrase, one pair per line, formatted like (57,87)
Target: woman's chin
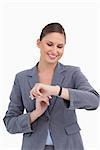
(52,61)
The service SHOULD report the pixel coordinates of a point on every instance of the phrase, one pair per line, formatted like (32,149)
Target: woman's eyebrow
(57,44)
(61,44)
(50,41)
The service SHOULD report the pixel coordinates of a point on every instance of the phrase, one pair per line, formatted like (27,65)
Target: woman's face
(51,47)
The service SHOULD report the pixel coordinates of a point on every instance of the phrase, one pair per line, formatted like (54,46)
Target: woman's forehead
(54,37)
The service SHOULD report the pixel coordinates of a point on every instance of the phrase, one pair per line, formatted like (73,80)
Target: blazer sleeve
(83,96)
(15,120)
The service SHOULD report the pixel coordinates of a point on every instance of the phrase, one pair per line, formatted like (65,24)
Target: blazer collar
(32,75)
(57,77)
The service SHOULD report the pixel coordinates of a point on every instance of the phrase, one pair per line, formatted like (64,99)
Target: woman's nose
(54,49)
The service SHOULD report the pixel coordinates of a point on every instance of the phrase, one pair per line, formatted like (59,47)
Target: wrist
(56,90)
(37,113)
(33,116)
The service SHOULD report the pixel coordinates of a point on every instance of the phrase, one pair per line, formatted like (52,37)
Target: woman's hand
(41,89)
(42,104)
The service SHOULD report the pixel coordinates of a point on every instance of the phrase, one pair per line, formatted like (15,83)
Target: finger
(46,101)
(33,93)
(43,99)
(38,91)
(32,96)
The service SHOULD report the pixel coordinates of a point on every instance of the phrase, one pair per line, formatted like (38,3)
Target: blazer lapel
(33,77)
(58,78)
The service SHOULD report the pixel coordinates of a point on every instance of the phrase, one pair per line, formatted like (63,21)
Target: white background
(20,25)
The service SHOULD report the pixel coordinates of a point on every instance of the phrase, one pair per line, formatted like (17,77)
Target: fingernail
(50,97)
(31,97)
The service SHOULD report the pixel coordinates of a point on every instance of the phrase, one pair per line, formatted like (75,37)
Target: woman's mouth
(52,56)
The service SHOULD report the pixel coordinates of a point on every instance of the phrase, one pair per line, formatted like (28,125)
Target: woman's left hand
(41,89)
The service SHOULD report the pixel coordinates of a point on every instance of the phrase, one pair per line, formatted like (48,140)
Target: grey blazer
(60,117)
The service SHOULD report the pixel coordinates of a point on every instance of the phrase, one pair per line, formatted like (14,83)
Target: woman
(50,92)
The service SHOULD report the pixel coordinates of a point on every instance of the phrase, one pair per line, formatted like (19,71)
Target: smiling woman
(50,92)
(51,43)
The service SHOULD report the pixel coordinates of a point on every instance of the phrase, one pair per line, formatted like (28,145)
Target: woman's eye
(60,46)
(49,44)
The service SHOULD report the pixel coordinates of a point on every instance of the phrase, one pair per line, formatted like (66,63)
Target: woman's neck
(44,67)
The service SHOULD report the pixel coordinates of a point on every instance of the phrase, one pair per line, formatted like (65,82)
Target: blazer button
(47,118)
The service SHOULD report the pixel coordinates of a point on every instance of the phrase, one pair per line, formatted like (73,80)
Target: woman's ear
(38,43)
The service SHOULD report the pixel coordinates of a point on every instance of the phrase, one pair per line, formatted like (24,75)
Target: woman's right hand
(42,104)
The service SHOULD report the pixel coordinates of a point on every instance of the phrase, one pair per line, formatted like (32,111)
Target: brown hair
(52,27)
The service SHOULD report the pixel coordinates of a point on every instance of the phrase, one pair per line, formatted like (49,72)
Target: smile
(51,56)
